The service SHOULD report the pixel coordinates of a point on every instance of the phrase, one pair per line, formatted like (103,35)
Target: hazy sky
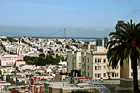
(87,18)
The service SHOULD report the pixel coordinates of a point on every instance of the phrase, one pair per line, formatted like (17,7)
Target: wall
(9,60)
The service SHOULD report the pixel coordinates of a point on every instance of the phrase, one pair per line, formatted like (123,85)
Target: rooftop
(68,86)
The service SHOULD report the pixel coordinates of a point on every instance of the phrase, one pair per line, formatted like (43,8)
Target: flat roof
(68,86)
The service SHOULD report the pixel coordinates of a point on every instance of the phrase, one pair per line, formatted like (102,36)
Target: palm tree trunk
(135,74)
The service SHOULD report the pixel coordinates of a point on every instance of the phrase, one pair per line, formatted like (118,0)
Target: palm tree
(125,44)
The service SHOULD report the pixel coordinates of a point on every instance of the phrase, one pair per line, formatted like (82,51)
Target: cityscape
(52,46)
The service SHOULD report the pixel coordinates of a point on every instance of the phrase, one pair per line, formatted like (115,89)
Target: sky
(80,18)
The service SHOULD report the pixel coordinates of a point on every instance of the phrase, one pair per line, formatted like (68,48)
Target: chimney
(37,83)
(37,89)
(41,89)
(32,88)
(32,81)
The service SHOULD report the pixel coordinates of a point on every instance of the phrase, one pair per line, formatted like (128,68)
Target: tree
(41,61)
(51,60)
(40,50)
(3,47)
(125,44)
(10,39)
(67,46)
(42,55)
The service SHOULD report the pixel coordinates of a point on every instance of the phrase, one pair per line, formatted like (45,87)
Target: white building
(74,60)
(9,60)
(95,65)
(127,71)
(92,64)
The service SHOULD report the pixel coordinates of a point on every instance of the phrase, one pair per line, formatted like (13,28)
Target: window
(117,67)
(104,67)
(79,64)
(104,60)
(88,59)
(95,67)
(82,58)
(117,75)
(95,60)
(112,74)
(104,74)
(97,75)
(99,60)
(99,67)
(131,73)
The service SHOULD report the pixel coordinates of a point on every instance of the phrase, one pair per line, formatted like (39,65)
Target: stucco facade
(9,60)
(127,71)
(92,64)
(74,61)
(97,66)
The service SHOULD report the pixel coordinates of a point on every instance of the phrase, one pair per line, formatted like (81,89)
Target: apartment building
(9,60)
(127,71)
(74,61)
(83,63)
(93,64)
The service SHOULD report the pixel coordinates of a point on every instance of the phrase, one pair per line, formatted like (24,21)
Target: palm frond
(120,46)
